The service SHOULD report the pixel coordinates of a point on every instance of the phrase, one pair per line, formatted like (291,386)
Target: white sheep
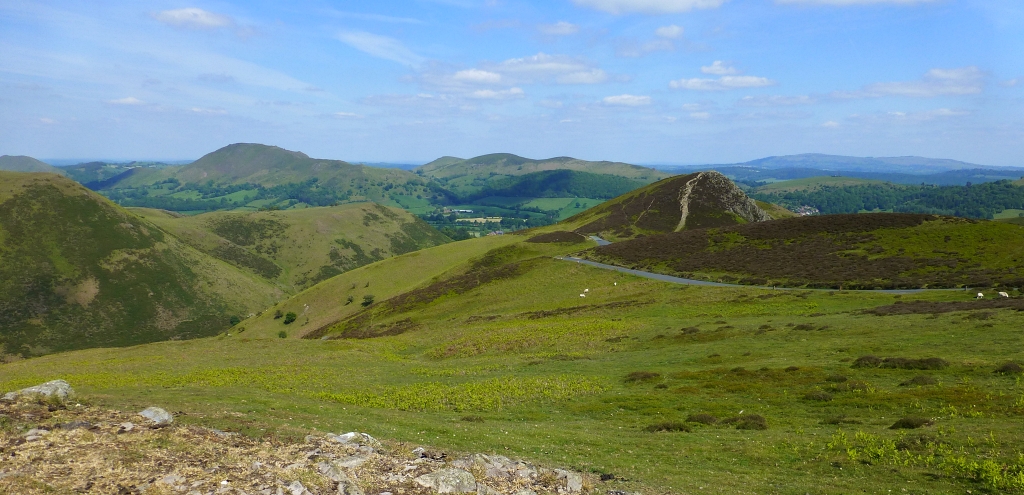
(980,296)
(615,283)
(1003,294)
(586,290)
(583,295)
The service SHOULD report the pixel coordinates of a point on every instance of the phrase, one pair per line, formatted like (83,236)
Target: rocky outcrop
(39,438)
(58,389)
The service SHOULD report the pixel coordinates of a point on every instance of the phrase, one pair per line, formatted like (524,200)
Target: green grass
(1009,213)
(299,247)
(545,373)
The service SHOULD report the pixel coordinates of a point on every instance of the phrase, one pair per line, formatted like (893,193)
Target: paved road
(690,281)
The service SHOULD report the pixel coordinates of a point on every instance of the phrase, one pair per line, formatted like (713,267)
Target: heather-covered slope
(685,202)
(871,250)
(77,271)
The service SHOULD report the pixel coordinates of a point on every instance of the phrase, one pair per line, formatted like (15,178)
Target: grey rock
(55,388)
(573,481)
(418,451)
(352,461)
(157,416)
(525,492)
(125,427)
(448,481)
(296,488)
(172,480)
(334,473)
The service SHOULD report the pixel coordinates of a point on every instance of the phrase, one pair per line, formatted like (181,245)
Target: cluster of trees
(970,201)
(558,184)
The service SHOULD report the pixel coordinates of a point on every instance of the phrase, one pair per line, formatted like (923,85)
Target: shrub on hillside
(289,318)
(818,395)
(932,363)
(747,422)
(667,426)
(702,418)
(367,300)
(642,376)
(910,423)
(1010,368)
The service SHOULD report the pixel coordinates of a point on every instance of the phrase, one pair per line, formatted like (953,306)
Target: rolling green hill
(470,176)
(872,250)
(485,345)
(698,200)
(77,271)
(298,248)
(256,176)
(25,164)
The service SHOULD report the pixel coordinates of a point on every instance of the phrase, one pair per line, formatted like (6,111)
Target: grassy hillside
(298,248)
(25,164)
(471,176)
(875,250)
(77,271)
(658,388)
(813,184)
(259,176)
(775,211)
(698,200)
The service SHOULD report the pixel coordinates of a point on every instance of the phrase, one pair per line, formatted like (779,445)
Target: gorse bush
(932,363)
(702,418)
(290,318)
(919,381)
(747,422)
(667,426)
(910,423)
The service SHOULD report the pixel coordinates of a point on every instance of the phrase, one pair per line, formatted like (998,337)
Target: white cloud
(854,2)
(649,6)
(560,28)
(130,100)
(936,82)
(670,32)
(629,48)
(347,115)
(193,18)
(545,68)
(477,76)
(700,115)
(898,117)
(47,121)
(490,94)
(719,68)
(381,47)
(208,111)
(831,124)
(721,84)
(1010,83)
(593,76)
(777,100)
(627,100)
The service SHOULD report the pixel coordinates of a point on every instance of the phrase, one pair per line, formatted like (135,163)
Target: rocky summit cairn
(58,389)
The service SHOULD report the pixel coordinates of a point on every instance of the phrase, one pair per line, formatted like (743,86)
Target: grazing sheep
(615,283)
(583,295)
(586,290)
(980,296)
(1003,294)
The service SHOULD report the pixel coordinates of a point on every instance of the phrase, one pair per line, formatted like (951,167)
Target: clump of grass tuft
(804,326)
(840,420)
(911,423)
(472,419)
(689,330)
(667,426)
(642,376)
(714,355)
(747,422)
(919,381)
(790,369)
(702,418)
(661,385)
(1010,368)
(818,395)
(932,363)
(836,378)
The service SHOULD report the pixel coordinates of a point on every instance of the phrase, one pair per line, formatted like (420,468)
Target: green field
(504,356)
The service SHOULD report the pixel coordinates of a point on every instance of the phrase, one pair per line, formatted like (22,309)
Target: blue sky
(643,81)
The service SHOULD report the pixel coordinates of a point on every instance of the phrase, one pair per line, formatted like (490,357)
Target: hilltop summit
(685,202)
